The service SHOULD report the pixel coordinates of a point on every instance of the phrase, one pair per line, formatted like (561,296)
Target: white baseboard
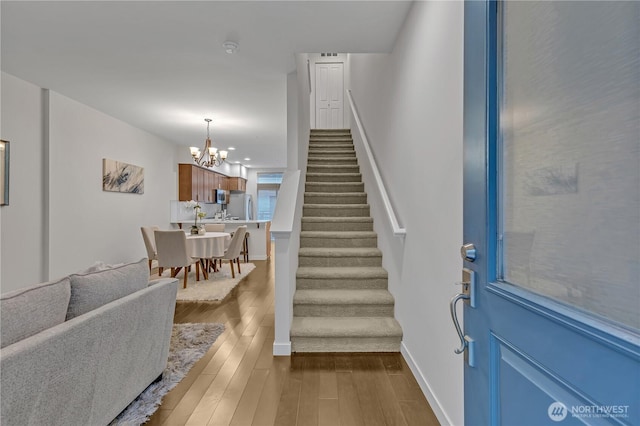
(282,349)
(426,389)
(259,257)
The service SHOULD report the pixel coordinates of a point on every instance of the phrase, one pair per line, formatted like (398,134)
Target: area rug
(216,287)
(189,342)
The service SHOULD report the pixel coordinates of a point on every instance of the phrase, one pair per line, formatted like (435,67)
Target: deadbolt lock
(468,252)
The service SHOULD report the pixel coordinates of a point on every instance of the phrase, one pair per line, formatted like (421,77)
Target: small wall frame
(4,173)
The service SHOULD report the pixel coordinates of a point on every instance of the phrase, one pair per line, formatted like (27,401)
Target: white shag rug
(189,342)
(216,287)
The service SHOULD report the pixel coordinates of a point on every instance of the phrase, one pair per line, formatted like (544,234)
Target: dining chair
(245,248)
(150,244)
(172,253)
(214,227)
(232,253)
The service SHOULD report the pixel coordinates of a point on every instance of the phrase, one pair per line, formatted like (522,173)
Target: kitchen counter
(259,234)
(230,221)
(233,221)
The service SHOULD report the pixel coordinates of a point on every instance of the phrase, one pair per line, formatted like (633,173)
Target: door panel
(329,95)
(552,204)
(322,96)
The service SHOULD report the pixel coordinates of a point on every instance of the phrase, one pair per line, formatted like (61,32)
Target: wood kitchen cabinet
(191,183)
(237,184)
(223,183)
(198,183)
(210,179)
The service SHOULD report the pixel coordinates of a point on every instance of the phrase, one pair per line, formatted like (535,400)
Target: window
(268,186)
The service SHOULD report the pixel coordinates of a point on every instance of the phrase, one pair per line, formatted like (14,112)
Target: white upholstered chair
(172,253)
(214,227)
(232,253)
(150,244)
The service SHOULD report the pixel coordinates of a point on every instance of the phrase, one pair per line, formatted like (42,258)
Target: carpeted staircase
(341,303)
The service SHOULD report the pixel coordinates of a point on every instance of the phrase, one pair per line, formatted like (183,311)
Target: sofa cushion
(29,311)
(94,289)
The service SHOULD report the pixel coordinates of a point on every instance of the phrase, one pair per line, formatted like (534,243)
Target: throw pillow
(94,289)
(29,311)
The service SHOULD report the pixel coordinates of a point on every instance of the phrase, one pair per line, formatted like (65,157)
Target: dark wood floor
(239,382)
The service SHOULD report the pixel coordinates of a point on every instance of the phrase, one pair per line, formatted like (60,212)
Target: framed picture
(4,173)
(122,177)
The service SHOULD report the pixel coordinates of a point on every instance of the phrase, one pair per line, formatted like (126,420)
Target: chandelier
(210,156)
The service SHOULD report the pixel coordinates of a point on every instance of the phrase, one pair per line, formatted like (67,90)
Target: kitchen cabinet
(237,184)
(190,182)
(223,183)
(210,179)
(197,183)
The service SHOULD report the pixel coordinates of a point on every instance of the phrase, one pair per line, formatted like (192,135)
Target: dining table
(207,246)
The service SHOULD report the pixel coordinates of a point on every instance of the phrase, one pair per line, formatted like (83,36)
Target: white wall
(86,223)
(410,103)
(292,121)
(62,218)
(23,220)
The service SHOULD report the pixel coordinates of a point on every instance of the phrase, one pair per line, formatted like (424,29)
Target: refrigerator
(240,205)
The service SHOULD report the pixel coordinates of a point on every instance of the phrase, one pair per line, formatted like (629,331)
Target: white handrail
(284,213)
(397,230)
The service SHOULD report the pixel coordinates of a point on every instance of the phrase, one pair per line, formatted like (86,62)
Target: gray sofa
(78,350)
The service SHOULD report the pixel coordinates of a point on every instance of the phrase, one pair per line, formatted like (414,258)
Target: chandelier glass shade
(210,156)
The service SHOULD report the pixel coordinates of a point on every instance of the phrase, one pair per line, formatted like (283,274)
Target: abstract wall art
(122,177)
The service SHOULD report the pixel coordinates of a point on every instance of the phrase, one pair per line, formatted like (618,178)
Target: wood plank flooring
(239,382)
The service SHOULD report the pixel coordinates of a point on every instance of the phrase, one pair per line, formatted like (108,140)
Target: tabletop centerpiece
(196,229)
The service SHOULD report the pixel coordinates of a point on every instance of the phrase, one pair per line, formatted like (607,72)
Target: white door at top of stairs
(329,95)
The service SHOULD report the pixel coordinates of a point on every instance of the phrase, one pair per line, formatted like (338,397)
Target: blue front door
(552,206)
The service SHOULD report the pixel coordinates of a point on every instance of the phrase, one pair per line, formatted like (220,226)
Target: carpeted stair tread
(343,297)
(316,219)
(334,177)
(335,198)
(330,139)
(336,239)
(338,234)
(347,146)
(334,187)
(345,327)
(344,156)
(336,210)
(335,206)
(315,153)
(337,160)
(348,272)
(333,168)
(337,223)
(340,252)
(341,175)
(335,194)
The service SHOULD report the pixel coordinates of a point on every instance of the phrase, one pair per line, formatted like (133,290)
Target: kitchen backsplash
(180,212)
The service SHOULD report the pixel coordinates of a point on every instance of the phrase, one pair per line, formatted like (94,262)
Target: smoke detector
(230,47)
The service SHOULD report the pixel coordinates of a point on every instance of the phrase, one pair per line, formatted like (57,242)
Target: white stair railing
(285,229)
(398,231)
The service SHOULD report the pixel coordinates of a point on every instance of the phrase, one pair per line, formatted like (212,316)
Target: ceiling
(160,65)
